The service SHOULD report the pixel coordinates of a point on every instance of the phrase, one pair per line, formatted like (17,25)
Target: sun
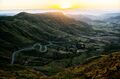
(66,5)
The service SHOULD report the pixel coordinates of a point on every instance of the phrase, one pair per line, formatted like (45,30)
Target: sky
(59,4)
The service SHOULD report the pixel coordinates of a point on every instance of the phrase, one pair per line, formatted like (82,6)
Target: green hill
(25,29)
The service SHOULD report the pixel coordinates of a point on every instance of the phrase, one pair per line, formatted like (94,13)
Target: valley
(54,45)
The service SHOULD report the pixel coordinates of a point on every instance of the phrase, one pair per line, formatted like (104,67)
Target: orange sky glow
(59,4)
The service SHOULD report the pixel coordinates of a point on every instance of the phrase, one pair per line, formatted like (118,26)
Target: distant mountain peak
(22,14)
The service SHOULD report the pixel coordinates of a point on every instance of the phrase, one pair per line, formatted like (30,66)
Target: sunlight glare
(65,5)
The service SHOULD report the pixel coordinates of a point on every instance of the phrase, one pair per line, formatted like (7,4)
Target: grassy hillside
(18,72)
(103,67)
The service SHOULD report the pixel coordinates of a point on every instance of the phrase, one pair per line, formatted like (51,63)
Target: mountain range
(55,45)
